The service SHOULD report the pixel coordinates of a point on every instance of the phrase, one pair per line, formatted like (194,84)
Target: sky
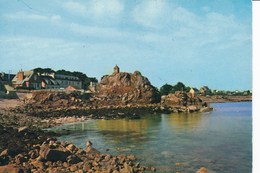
(197,42)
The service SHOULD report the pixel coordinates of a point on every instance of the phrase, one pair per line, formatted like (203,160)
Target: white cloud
(75,7)
(150,12)
(96,9)
(187,27)
(101,8)
(21,15)
(102,32)
(185,17)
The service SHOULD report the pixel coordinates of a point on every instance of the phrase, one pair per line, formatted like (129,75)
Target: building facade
(32,80)
(66,80)
(27,79)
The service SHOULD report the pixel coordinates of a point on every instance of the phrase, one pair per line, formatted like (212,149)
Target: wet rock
(88,143)
(203,170)
(72,148)
(179,164)
(126,169)
(90,149)
(153,169)
(22,129)
(193,108)
(131,157)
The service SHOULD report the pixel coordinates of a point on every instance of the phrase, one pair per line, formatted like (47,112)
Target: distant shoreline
(223,99)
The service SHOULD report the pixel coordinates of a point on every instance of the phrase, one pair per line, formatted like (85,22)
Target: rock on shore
(128,87)
(35,151)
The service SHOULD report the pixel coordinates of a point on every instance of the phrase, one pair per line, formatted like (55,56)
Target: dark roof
(49,80)
(6,77)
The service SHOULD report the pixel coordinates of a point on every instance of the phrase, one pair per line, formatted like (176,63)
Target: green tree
(43,70)
(166,89)
(179,87)
(187,89)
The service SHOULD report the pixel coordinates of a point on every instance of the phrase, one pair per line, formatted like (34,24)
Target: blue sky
(197,42)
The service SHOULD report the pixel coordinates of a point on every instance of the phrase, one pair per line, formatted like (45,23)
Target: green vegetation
(204,91)
(167,89)
(43,70)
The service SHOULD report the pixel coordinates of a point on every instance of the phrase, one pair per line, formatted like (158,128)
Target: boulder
(203,170)
(22,129)
(91,150)
(72,148)
(127,87)
(54,154)
(73,159)
(38,164)
(126,169)
(11,169)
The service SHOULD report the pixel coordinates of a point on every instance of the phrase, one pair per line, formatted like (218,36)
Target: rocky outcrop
(12,169)
(122,87)
(181,99)
(49,155)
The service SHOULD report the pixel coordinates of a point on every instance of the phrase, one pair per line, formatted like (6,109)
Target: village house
(5,79)
(27,79)
(48,82)
(66,80)
(93,87)
(30,79)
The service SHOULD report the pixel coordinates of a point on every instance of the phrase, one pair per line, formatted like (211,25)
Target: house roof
(6,77)
(49,80)
(27,75)
(66,77)
(71,87)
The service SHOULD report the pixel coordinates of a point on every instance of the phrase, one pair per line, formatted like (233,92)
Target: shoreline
(223,99)
(18,126)
(43,153)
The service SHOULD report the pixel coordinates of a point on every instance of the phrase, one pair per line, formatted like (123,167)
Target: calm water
(221,140)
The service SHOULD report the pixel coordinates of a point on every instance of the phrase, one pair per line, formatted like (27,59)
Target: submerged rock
(203,170)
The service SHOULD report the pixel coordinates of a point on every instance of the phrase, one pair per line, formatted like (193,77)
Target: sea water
(220,140)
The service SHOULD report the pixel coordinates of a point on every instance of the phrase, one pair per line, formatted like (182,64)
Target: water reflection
(187,121)
(130,131)
(193,140)
(124,125)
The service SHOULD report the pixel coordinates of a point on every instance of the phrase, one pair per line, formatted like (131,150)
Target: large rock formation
(122,87)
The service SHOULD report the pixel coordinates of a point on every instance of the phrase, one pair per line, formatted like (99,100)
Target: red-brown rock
(11,169)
